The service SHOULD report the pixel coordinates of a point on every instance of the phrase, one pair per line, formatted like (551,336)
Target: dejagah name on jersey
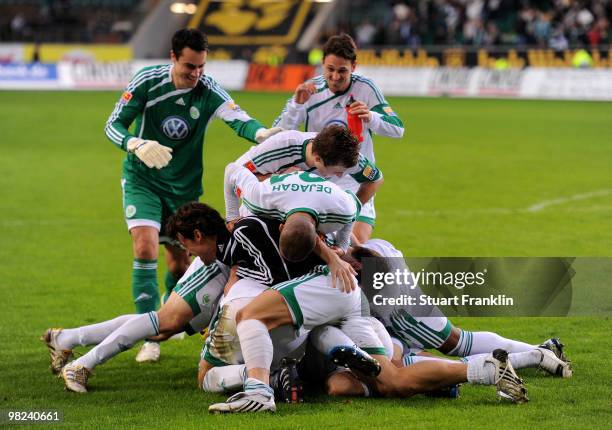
(177,118)
(279,196)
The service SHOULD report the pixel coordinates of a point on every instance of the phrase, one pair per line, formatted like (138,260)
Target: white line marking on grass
(537,207)
(563,200)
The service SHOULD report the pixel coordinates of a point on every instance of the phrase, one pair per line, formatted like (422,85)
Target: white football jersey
(288,149)
(333,209)
(325,107)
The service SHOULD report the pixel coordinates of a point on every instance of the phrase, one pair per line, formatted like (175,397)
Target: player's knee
(203,368)
(145,248)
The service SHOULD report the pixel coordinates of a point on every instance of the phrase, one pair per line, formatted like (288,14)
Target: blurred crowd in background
(556,24)
(71,21)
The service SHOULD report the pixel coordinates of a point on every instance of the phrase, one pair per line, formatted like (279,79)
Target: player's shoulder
(210,84)
(294,135)
(361,83)
(150,75)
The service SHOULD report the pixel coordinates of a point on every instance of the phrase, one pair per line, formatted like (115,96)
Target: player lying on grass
(417,329)
(333,153)
(190,306)
(310,301)
(324,100)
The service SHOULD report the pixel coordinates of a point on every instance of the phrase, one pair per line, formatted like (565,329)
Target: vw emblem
(175,128)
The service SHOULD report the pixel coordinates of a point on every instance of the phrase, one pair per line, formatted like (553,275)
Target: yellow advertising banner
(251,22)
(52,53)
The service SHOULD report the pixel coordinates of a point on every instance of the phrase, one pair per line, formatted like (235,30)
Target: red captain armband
(251,166)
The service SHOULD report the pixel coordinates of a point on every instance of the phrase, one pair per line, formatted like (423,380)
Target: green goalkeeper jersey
(176,118)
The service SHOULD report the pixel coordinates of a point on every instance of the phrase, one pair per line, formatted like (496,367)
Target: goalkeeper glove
(150,152)
(264,133)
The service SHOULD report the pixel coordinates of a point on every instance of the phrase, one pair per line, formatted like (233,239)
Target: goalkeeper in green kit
(171,106)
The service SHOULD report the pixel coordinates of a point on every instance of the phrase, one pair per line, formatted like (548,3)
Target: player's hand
(343,275)
(303,92)
(361,110)
(264,133)
(150,152)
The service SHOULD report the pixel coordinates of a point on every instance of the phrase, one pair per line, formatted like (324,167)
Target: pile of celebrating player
(277,280)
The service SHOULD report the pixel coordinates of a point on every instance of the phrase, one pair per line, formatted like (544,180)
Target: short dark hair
(298,239)
(341,45)
(336,145)
(191,38)
(195,216)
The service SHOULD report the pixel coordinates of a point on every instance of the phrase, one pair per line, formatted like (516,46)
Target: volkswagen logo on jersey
(175,128)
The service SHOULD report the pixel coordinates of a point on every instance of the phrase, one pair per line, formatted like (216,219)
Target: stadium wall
(528,83)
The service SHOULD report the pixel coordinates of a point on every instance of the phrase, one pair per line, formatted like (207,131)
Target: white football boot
(59,357)
(149,353)
(252,401)
(75,376)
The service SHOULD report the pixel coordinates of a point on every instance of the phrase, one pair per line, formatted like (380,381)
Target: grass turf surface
(470,178)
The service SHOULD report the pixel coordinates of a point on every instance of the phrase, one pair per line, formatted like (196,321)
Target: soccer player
(331,153)
(310,301)
(190,306)
(430,329)
(170,106)
(292,197)
(322,101)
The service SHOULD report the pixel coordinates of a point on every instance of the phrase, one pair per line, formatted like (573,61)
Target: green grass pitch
(469,178)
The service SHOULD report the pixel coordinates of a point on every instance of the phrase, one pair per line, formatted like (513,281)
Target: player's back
(281,195)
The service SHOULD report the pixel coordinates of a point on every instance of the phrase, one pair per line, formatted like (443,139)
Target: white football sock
(325,338)
(519,360)
(225,379)
(90,334)
(255,343)
(482,342)
(479,371)
(136,328)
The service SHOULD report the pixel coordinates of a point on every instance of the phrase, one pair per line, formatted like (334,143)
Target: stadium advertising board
(28,76)
(53,53)
(94,75)
(284,78)
(11,53)
(480,57)
(251,23)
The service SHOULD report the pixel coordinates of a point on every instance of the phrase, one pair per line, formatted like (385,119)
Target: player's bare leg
(268,311)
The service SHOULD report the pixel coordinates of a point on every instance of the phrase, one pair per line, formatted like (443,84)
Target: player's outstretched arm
(238,182)
(130,105)
(384,121)
(342,273)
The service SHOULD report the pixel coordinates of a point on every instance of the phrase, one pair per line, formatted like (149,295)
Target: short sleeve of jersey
(365,171)
(254,249)
(280,151)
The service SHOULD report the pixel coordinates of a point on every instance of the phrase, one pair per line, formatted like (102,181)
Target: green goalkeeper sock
(144,285)
(170,282)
